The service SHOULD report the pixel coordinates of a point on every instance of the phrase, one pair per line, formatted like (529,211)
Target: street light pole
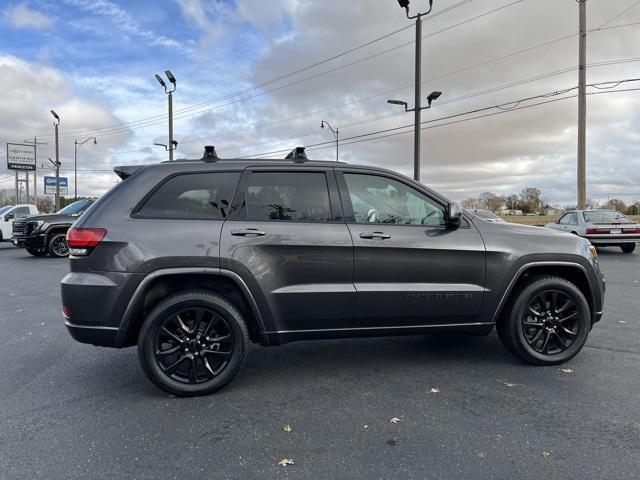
(418,84)
(76,144)
(172,143)
(57,163)
(336,133)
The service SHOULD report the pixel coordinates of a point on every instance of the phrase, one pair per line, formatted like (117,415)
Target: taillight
(82,241)
(592,231)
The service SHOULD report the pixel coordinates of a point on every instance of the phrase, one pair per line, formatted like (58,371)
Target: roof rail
(297,155)
(210,154)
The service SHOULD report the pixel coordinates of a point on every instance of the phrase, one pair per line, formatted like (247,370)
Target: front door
(410,268)
(288,241)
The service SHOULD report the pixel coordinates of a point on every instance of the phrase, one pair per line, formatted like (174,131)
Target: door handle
(246,232)
(371,235)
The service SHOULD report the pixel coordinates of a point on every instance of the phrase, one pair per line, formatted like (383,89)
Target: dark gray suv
(194,259)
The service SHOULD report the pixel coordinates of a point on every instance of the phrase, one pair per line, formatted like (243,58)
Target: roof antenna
(210,154)
(297,155)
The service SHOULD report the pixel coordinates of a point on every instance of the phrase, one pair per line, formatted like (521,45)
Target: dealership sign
(50,185)
(21,157)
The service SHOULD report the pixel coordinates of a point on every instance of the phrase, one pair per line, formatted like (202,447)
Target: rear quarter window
(197,196)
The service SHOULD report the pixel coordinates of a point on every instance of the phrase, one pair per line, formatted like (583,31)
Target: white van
(11,212)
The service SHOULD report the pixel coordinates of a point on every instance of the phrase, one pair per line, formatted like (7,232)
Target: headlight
(40,224)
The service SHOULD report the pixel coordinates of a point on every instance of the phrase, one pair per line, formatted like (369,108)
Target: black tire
(530,336)
(197,357)
(628,247)
(57,245)
(37,253)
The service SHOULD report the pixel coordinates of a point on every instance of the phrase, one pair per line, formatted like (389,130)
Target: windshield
(4,209)
(76,207)
(606,216)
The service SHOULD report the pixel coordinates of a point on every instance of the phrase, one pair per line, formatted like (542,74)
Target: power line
(287,75)
(115,130)
(507,106)
(619,15)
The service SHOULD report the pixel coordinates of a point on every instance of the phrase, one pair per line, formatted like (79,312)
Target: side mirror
(454,215)
(9,216)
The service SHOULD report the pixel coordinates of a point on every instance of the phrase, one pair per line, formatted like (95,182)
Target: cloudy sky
(256,77)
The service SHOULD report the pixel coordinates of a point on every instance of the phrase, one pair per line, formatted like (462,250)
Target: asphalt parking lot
(464,407)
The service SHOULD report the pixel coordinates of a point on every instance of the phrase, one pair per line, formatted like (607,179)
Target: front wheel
(548,323)
(58,245)
(193,343)
(628,247)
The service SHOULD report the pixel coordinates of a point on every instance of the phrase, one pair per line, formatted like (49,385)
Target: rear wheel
(58,245)
(628,247)
(37,253)
(193,343)
(548,323)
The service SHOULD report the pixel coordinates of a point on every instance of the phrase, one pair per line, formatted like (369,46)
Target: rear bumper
(603,240)
(35,242)
(93,304)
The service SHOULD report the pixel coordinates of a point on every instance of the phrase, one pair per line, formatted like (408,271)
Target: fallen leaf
(395,420)
(287,428)
(366,426)
(286,461)
(566,370)
(512,385)
(435,390)
(547,453)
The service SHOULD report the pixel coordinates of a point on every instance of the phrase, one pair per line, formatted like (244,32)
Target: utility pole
(57,162)
(35,171)
(582,108)
(418,84)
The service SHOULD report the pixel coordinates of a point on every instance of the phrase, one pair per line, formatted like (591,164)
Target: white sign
(21,157)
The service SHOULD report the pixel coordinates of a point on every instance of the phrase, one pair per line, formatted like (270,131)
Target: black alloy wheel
(58,245)
(547,323)
(193,343)
(550,322)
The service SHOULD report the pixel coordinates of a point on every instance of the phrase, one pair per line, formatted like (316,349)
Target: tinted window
(378,199)
(288,196)
(205,196)
(4,209)
(76,207)
(21,212)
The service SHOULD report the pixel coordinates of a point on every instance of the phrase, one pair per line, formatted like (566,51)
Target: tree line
(531,200)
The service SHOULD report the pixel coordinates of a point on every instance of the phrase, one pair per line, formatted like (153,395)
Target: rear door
(287,239)
(410,269)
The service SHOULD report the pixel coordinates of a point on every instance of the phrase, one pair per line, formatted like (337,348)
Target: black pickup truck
(42,234)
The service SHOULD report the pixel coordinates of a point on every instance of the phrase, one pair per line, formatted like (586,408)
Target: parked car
(487,215)
(42,234)
(10,213)
(603,228)
(193,260)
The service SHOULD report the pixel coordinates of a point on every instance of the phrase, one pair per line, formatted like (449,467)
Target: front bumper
(34,242)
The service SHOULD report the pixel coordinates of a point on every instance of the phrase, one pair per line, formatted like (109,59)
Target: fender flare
(523,269)
(220,272)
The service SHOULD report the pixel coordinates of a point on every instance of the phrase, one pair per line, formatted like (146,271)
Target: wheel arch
(574,272)
(159,284)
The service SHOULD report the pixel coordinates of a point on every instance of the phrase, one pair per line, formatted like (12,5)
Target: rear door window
(288,196)
(198,196)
